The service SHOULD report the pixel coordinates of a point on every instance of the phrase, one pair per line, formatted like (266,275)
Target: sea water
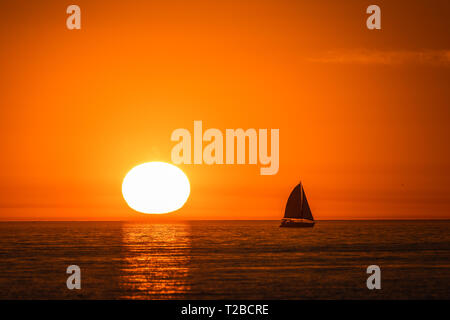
(225,260)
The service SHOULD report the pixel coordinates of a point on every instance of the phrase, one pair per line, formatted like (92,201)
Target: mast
(301,195)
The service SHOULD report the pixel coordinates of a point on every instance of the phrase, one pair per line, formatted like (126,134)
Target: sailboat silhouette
(297,213)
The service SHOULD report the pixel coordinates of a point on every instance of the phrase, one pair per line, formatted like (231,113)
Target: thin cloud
(425,57)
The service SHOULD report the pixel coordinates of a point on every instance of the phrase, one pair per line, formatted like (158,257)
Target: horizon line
(186,220)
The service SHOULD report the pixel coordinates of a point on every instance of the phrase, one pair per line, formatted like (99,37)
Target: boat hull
(296,224)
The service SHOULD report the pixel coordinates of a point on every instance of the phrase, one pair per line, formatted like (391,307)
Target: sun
(155,188)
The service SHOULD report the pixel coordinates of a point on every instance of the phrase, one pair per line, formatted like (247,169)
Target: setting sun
(155,188)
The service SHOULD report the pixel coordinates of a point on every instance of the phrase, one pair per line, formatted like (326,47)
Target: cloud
(364,56)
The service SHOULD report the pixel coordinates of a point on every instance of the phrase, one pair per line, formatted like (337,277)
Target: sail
(293,205)
(306,211)
(297,206)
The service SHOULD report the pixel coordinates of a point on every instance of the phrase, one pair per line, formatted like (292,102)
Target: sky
(363,114)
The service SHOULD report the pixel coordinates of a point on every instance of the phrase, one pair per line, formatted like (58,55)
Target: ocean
(225,260)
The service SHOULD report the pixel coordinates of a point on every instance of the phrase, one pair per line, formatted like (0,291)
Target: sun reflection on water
(156,258)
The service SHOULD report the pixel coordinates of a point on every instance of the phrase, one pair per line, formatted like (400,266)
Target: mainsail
(297,206)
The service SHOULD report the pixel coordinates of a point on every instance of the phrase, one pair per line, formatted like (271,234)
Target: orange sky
(363,115)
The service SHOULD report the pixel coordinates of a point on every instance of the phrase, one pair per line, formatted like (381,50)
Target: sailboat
(297,213)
